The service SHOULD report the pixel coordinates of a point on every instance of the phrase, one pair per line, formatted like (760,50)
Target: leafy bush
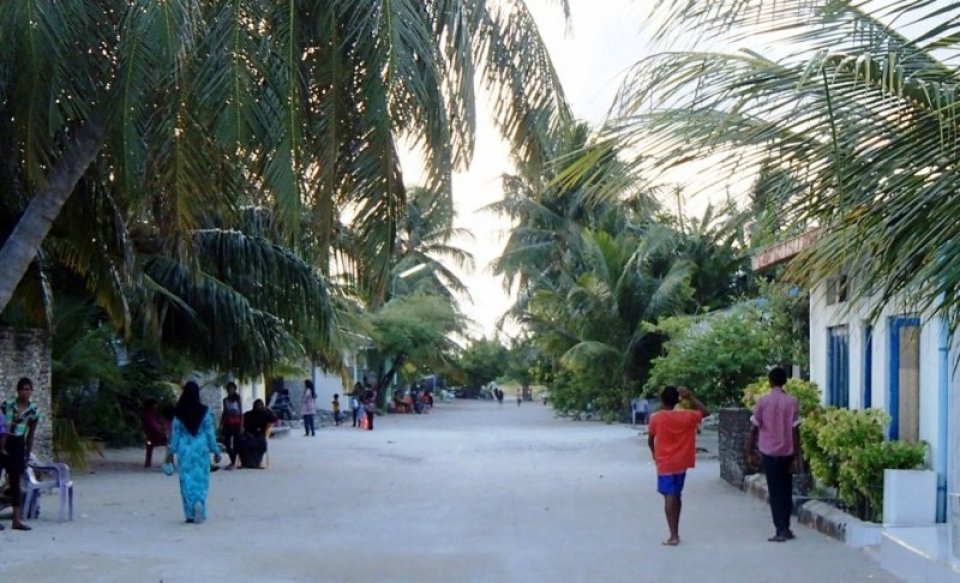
(807,393)
(830,437)
(847,450)
(716,356)
(862,476)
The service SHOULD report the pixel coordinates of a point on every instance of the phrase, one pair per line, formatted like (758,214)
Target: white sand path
(471,492)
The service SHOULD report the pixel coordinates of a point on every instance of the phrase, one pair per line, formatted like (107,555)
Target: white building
(899,360)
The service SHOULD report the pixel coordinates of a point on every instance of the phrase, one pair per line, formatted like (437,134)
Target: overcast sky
(604,39)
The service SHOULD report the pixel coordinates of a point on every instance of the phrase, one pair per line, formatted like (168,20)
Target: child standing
(336,409)
(309,409)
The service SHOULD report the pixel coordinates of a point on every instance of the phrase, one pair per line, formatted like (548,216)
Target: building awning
(783,251)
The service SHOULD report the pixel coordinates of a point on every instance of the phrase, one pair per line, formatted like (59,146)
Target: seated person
(253,443)
(154,429)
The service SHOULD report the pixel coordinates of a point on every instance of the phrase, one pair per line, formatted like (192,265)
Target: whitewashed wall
(823,316)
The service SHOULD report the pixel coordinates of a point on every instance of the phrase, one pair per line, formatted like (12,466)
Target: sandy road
(471,492)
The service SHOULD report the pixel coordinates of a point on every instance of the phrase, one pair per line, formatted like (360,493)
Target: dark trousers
(780,488)
(370,420)
(356,414)
(308,427)
(15,464)
(231,441)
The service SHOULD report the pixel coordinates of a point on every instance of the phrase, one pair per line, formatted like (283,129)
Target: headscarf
(189,410)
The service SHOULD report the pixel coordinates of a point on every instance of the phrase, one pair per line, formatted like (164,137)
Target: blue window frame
(838,366)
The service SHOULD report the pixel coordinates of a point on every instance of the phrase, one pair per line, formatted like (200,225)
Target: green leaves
(861,116)
(847,450)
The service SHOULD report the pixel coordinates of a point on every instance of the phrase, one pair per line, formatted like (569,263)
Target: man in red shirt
(672,439)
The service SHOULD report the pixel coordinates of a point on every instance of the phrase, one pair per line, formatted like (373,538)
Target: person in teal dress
(192,442)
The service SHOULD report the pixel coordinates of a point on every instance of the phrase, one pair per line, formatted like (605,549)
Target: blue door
(904,378)
(838,367)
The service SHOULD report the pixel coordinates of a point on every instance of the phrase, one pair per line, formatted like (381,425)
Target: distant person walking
(355,403)
(231,423)
(192,442)
(519,397)
(309,409)
(20,418)
(370,405)
(672,438)
(775,433)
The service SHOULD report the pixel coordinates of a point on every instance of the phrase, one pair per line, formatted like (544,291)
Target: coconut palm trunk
(24,242)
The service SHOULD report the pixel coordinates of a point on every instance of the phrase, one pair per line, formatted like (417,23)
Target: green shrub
(862,475)
(847,450)
(822,466)
(715,355)
(807,393)
(830,437)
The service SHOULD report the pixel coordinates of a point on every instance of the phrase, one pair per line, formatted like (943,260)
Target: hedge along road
(470,492)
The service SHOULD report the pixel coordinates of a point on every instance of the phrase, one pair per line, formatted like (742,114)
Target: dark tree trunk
(24,242)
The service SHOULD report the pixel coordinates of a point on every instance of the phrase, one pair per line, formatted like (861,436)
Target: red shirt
(775,415)
(674,435)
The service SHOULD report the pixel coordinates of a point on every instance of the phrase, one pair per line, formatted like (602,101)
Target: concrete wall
(26,353)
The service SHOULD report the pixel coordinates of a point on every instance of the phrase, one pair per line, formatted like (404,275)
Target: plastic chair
(60,481)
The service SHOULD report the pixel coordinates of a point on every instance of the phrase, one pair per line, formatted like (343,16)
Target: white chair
(60,481)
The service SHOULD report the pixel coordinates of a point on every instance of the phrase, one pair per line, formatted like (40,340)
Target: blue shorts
(671,484)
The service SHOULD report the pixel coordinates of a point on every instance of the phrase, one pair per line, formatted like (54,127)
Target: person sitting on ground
(253,444)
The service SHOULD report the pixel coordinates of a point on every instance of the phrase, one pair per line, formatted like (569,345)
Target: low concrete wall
(26,353)
(734,428)
(823,517)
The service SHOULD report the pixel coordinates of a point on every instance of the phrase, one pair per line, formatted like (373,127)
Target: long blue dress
(193,456)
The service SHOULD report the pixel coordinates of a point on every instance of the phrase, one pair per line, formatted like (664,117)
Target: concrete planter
(909,497)
(954,518)
(734,428)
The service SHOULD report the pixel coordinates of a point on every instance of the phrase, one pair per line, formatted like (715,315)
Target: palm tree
(862,116)
(550,211)
(600,327)
(183,105)
(426,233)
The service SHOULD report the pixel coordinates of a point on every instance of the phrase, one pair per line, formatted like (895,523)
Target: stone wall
(26,353)
(734,428)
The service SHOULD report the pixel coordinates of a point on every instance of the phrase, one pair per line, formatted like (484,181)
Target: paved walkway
(471,492)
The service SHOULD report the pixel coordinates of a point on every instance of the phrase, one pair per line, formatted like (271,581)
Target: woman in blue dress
(192,442)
